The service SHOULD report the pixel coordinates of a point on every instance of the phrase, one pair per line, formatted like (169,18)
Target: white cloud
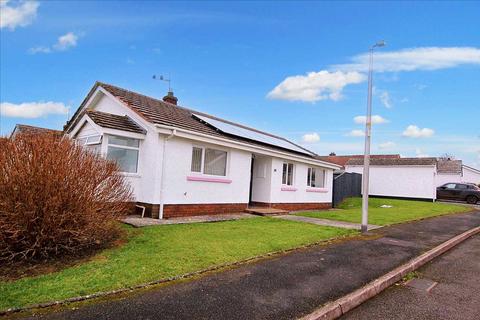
(65,42)
(412,131)
(315,86)
(39,49)
(385,99)
(412,59)
(419,153)
(20,15)
(420,86)
(386,145)
(329,84)
(376,119)
(32,109)
(311,137)
(356,133)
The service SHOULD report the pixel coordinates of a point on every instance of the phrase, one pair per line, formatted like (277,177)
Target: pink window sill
(208,179)
(319,190)
(289,189)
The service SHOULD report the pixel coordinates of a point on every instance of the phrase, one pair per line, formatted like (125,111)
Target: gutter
(162,178)
(257,148)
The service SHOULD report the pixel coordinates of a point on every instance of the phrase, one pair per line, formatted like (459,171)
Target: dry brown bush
(56,199)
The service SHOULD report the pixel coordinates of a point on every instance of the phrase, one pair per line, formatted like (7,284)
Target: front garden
(393,211)
(158,252)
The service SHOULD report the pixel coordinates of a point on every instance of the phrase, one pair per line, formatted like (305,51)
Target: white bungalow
(181,162)
(415,178)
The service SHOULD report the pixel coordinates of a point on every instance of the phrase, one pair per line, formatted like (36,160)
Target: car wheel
(472,199)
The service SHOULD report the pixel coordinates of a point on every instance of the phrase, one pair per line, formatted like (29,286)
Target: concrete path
(326,222)
(455,293)
(283,287)
(138,221)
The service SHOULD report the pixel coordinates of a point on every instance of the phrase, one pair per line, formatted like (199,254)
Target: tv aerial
(162,78)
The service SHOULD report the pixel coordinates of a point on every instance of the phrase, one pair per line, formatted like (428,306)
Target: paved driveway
(284,287)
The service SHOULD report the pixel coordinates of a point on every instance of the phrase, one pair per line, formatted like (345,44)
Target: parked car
(460,192)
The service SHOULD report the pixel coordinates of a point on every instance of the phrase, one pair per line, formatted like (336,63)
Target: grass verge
(401,211)
(163,251)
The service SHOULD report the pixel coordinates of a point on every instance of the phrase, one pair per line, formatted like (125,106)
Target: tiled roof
(23,128)
(394,162)
(449,166)
(342,160)
(160,112)
(113,121)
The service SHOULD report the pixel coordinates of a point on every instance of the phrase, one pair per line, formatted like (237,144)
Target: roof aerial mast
(162,78)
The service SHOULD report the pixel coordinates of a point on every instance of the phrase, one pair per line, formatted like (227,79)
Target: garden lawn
(401,211)
(157,252)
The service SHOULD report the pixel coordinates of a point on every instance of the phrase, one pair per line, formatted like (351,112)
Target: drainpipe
(162,181)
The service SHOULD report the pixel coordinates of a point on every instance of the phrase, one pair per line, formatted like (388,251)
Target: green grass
(401,211)
(162,251)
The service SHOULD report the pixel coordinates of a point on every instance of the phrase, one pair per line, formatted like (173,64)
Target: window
(92,143)
(315,178)
(125,152)
(450,186)
(287,174)
(197,159)
(462,186)
(212,161)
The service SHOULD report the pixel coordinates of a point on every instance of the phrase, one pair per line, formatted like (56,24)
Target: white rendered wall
(178,190)
(300,195)
(400,181)
(471,175)
(86,131)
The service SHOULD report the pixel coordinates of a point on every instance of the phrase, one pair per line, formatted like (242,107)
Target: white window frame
(309,177)
(136,173)
(286,176)
(202,164)
(87,143)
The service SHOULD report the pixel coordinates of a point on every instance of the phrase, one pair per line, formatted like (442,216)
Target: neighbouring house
(343,159)
(23,128)
(182,162)
(416,178)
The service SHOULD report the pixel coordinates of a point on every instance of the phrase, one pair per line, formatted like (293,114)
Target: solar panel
(250,134)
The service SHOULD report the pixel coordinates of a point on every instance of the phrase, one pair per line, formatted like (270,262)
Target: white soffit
(250,134)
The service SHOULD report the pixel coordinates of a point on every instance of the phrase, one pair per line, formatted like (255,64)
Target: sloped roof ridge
(193,112)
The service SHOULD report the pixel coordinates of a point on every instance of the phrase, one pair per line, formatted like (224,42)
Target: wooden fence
(346,185)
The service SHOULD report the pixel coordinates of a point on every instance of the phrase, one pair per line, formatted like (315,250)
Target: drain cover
(421,284)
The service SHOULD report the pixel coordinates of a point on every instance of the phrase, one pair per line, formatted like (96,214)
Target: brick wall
(294,206)
(188,210)
(151,210)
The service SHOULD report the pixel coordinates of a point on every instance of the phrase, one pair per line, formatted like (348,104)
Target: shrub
(56,198)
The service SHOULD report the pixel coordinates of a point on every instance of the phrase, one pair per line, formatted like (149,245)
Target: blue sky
(296,69)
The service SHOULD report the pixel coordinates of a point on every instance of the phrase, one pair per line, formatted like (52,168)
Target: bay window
(124,151)
(209,161)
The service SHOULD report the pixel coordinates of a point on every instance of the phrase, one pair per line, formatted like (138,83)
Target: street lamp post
(368,132)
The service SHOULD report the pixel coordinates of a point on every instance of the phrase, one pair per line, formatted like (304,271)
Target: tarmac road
(456,296)
(284,287)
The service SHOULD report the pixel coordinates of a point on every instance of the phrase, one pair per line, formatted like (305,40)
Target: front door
(251,181)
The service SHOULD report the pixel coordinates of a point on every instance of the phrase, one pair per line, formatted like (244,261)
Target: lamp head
(380,43)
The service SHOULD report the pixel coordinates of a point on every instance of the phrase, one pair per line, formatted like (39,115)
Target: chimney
(170,98)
